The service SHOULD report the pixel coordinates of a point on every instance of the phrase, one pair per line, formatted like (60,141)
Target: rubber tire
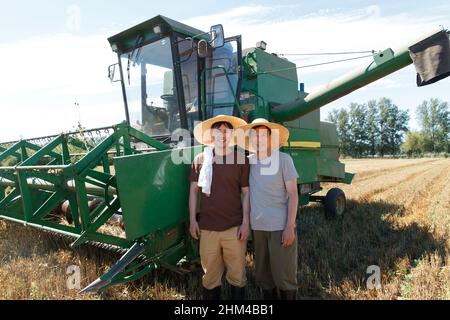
(330,203)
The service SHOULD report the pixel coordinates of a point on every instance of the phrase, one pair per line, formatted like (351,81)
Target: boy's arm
(193,225)
(292,192)
(245,226)
(288,237)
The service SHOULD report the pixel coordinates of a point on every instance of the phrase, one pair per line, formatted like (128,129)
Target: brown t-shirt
(223,208)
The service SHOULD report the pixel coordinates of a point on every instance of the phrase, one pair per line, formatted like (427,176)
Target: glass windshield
(150,87)
(189,76)
(221,72)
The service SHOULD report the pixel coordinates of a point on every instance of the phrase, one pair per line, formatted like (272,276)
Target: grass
(397,218)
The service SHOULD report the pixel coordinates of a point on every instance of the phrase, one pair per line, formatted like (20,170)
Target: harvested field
(398,218)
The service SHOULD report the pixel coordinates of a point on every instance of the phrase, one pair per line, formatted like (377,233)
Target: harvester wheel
(334,203)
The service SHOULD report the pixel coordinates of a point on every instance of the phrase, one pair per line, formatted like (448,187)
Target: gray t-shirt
(268,195)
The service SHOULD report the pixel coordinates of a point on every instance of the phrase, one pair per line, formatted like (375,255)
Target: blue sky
(56,54)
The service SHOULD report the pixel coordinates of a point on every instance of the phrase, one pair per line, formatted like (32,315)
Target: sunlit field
(398,218)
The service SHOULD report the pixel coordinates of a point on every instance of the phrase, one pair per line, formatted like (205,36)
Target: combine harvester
(172,76)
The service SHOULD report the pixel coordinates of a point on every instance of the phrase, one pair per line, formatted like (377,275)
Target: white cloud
(374,11)
(57,62)
(43,77)
(326,31)
(247,15)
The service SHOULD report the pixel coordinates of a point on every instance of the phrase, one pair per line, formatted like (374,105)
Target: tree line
(379,128)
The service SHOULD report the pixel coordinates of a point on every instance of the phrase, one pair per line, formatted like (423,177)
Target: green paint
(153,190)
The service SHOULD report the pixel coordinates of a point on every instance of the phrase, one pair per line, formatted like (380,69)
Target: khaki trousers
(276,266)
(220,250)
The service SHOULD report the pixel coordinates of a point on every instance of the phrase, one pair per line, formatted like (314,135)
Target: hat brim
(242,138)
(202,131)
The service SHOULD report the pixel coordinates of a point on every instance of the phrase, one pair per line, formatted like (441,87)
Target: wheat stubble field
(398,218)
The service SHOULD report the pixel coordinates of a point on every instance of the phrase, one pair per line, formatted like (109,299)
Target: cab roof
(126,40)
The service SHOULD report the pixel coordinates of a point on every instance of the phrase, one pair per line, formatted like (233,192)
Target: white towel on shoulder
(206,172)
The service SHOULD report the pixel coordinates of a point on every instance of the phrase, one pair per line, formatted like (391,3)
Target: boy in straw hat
(221,174)
(273,203)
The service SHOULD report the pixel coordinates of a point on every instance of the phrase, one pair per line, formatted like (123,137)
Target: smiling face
(260,138)
(222,133)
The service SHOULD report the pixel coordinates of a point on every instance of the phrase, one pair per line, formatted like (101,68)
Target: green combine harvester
(172,76)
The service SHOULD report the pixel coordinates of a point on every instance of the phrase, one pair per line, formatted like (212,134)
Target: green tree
(341,119)
(373,127)
(358,129)
(393,125)
(414,143)
(377,127)
(434,119)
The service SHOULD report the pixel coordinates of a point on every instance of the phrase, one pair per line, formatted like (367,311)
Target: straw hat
(283,134)
(202,131)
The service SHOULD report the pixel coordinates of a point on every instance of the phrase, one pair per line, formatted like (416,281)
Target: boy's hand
(197,163)
(288,236)
(243,231)
(194,230)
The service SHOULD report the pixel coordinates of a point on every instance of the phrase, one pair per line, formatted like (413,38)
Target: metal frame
(36,189)
(236,94)
(46,175)
(177,75)
(179,81)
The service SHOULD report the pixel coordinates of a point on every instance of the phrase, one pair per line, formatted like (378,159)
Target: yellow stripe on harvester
(302,144)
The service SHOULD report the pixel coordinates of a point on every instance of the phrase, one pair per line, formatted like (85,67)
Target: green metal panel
(348,177)
(301,134)
(328,164)
(153,190)
(279,87)
(309,121)
(305,163)
(328,134)
(329,153)
(330,168)
(304,158)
